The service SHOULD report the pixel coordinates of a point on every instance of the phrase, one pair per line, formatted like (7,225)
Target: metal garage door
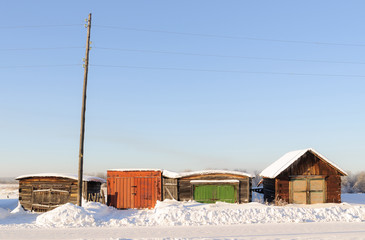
(214,193)
(307,190)
(134,189)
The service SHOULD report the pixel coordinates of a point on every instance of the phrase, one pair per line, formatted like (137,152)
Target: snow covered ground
(172,219)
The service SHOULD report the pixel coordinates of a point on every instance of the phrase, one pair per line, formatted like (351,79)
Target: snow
(62,175)
(173,219)
(170,174)
(136,169)
(289,158)
(215,181)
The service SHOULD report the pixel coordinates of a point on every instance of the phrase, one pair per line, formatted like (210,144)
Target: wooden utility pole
(82,130)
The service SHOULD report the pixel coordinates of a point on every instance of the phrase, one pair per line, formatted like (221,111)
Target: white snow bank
(4,213)
(9,191)
(174,213)
(67,215)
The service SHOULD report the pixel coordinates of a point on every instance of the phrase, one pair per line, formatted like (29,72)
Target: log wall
(41,194)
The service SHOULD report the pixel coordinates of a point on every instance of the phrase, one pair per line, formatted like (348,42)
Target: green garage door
(214,193)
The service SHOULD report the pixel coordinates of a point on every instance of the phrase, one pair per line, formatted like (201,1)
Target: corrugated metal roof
(288,159)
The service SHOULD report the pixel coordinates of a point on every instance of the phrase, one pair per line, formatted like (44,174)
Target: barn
(134,188)
(208,186)
(142,188)
(302,177)
(46,191)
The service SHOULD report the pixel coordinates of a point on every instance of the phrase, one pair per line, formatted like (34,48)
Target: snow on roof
(216,181)
(70,176)
(169,174)
(288,159)
(136,169)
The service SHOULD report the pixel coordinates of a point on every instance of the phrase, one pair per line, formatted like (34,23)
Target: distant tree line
(353,183)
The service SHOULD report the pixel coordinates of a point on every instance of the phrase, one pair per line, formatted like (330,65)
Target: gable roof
(289,158)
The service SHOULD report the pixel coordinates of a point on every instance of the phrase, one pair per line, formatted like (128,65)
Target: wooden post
(82,130)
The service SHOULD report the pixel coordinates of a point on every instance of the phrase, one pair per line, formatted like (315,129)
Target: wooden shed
(134,188)
(46,191)
(302,177)
(208,186)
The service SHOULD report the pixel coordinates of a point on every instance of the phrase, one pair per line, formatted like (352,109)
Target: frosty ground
(172,219)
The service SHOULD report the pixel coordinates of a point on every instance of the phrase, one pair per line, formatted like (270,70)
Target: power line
(30,49)
(228,56)
(40,26)
(42,66)
(233,37)
(228,71)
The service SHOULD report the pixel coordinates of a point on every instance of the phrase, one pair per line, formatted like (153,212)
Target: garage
(302,177)
(208,186)
(307,190)
(213,192)
(133,188)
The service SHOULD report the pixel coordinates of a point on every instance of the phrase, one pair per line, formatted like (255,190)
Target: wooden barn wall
(92,192)
(34,193)
(170,188)
(185,191)
(282,190)
(309,165)
(333,189)
(269,189)
(28,187)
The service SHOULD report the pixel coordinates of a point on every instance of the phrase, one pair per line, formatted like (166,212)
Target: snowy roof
(61,175)
(169,174)
(216,181)
(136,169)
(289,158)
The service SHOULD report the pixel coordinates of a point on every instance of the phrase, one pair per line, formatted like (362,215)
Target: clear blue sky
(197,84)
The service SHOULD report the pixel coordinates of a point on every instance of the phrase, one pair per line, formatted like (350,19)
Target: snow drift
(174,213)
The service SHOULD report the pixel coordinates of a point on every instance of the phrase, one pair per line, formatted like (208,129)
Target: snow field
(174,213)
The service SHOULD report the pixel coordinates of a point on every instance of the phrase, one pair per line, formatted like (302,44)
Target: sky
(180,85)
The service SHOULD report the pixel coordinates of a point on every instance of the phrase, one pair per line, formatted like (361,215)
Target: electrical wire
(227,71)
(40,26)
(228,56)
(30,49)
(232,37)
(41,66)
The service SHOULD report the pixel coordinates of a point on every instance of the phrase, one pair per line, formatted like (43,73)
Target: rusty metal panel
(134,189)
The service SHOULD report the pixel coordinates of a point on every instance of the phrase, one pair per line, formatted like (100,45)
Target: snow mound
(4,213)
(67,215)
(18,210)
(174,213)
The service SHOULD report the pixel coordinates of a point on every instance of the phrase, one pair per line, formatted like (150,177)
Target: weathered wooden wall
(333,189)
(46,193)
(269,189)
(308,165)
(41,194)
(170,188)
(185,187)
